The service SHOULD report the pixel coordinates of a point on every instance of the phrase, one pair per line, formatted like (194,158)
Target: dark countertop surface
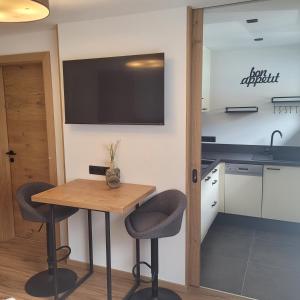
(248,154)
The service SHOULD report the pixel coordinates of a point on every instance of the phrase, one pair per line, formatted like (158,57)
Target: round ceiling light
(13,11)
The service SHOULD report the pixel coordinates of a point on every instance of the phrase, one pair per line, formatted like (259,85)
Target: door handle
(207,178)
(214,204)
(214,171)
(273,169)
(194,175)
(11,153)
(214,182)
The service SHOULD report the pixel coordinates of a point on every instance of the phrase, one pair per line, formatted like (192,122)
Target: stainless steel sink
(284,157)
(276,156)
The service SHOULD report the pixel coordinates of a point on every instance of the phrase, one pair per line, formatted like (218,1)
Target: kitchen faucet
(272,137)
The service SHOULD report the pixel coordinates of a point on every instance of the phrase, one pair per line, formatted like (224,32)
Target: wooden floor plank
(20,258)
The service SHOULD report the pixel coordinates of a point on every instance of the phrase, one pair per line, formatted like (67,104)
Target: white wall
(38,42)
(228,69)
(148,154)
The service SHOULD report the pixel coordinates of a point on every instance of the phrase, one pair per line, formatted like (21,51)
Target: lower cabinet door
(209,202)
(243,195)
(205,211)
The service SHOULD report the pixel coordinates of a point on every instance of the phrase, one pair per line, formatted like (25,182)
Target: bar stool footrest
(65,256)
(134,273)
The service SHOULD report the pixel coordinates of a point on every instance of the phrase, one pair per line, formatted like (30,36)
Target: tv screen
(115,90)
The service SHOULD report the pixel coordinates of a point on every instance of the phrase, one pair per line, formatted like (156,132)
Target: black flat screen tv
(115,90)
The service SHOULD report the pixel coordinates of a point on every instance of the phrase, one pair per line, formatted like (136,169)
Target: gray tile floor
(252,257)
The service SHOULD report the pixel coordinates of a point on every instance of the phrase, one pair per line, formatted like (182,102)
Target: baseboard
(126,275)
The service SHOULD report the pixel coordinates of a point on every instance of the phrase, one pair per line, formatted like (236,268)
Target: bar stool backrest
(27,206)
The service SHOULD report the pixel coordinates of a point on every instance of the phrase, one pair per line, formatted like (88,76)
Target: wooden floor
(20,258)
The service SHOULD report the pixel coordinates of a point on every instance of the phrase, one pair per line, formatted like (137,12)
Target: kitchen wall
(148,154)
(228,69)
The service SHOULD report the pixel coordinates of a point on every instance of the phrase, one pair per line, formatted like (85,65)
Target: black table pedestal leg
(53,251)
(91,256)
(108,256)
(138,258)
(138,268)
(91,260)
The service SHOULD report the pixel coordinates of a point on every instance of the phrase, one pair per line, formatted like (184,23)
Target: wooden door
(193,143)
(26,130)
(6,208)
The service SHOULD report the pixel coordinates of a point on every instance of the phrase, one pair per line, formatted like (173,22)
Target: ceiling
(78,10)
(279,25)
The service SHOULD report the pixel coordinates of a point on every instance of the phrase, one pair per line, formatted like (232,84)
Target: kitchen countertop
(242,154)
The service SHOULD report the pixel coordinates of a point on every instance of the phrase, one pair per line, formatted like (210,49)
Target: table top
(95,195)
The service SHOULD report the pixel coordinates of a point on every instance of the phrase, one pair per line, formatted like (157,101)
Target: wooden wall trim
(193,143)
(50,118)
(61,100)
(64,227)
(23,58)
(188,143)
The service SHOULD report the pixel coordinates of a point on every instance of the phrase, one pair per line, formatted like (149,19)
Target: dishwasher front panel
(244,169)
(243,190)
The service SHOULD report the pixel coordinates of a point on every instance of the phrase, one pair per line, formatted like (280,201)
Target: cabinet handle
(273,169)
(214,182)
(214,204)
(207,178)
(214,171)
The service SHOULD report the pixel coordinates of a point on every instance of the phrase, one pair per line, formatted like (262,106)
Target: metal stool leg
(155,292)
(54,280)
(154,267)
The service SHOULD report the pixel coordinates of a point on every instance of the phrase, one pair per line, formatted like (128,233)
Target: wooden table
(95,195)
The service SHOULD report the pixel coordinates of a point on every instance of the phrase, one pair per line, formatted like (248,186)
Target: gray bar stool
(159,217)
(42,284)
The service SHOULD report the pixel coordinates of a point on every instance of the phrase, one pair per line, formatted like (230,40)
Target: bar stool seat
(42,284)
(60,212)
(159,217)
(143,222)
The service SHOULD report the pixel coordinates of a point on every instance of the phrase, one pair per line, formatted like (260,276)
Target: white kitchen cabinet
(210,194)
(221,167)
(206,82)
(281,193)
(243,195)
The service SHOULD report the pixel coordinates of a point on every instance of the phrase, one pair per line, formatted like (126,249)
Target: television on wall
(115,90)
